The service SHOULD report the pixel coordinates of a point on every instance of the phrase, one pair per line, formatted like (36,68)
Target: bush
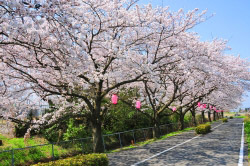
(224,120)
(203,129)
(231,117)
(80,160)
(247,119)
(74,132)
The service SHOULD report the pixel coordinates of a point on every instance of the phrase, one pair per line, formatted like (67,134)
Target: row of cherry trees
(76,54)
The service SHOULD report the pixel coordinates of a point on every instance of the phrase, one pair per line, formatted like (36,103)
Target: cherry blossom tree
(76,53)
(210,73)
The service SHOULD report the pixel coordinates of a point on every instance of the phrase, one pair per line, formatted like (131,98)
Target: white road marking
(169,149)
(217,126)
(241,155)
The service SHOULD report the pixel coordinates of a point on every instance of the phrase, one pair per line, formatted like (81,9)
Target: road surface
(220,147)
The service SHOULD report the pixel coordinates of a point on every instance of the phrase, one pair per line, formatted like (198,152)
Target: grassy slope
(31,154)
(247,131)
(9,143)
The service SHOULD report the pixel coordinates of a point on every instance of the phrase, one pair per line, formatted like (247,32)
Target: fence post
(53,156)
(12,157)
(134,136)
(120,140)
(103,142)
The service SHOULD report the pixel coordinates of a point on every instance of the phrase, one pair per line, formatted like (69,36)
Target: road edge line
(241,154)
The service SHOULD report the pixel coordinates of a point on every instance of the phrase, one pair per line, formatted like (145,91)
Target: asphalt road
(220,147)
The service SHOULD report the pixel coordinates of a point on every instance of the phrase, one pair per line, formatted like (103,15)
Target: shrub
(247,119)
(188,118)
(224,120)
(80,160)
(203,129)
(74,132)
(231,117)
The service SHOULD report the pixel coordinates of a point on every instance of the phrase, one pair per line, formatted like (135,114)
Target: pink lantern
(138,104)
(174,109)
(199,104)
(114,99)
(204,106)
(214,108)
(211,107)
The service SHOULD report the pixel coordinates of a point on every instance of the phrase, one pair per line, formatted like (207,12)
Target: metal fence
(63,149)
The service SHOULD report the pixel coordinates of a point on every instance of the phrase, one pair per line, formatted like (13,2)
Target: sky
(230,21)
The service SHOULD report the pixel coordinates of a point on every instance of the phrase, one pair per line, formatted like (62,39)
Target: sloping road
(220,147)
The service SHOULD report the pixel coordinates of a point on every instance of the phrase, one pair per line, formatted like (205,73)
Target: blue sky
(231,22)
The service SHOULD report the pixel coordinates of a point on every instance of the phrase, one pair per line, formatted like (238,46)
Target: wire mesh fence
(52,151)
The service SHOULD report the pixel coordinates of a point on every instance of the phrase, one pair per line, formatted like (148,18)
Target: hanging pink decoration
(214,108)
(174,109)
(138,104)
(211,107)
(204,106)
(114,99)
(199,104)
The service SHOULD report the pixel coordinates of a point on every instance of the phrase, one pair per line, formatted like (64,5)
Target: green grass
(247,131)
(149,141)
(240,116)
(34,154)
(9,143)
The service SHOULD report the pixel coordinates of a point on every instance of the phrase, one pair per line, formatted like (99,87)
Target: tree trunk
(156,130)
(218,115)
(209,116)
(222,114)
(214,116)
(182,121)
(97,137)
(193,118)
(203,117)
(96,123)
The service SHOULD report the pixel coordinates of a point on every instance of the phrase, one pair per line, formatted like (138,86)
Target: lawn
(247,131)
(32,153)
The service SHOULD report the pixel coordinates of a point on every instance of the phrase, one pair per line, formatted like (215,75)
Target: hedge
(224,120)
(203,129)
(80,160)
